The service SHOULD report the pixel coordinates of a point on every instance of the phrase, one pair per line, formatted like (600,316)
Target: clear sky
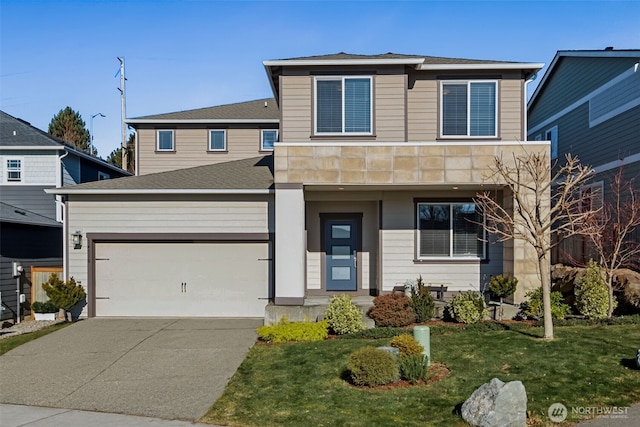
(190,54)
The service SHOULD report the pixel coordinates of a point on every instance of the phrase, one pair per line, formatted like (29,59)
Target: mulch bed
(437,372)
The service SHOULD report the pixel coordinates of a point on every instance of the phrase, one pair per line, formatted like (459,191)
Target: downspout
(63,206)
(526,110)
(135,144)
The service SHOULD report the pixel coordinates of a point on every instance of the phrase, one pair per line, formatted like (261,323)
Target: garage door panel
(182,279)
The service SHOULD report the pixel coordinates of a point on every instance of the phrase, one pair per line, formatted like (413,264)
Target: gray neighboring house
(31,221)
(588,104)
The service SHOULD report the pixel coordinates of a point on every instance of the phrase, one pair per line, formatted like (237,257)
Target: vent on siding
(615,99)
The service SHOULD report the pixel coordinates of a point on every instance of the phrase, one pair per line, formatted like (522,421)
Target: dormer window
(469,109)
(343,105)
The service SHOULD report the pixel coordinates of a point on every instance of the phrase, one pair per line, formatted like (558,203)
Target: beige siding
(511,115)
(389,108)
(231,215)
(295,108)
(422,110)
(398,237)
(191,149)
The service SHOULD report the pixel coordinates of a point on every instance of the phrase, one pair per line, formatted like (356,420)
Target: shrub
(64,294)
(286,331)
(414,367)
(592,294)
(393,309)
(343,315)
(533,307)
(406,345)
(503,285)
(369,366)
(422,302)
(467,307)
(376,333)
(44,307)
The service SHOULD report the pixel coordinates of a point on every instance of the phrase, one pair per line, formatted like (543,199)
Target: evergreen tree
(115,157)
(69,126)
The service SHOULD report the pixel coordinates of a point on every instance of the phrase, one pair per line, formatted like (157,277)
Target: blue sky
(190,54)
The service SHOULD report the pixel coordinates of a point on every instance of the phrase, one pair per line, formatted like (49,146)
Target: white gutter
(483,66)
(32,148)
(136,151)
(205,121)
(70,190)
(368,61)
(526,110)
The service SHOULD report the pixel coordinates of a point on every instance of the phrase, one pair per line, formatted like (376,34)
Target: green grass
(7,344)
(301,384)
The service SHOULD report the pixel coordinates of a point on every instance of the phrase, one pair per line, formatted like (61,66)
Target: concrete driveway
(166,368)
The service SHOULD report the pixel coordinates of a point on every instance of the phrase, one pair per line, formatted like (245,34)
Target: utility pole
(123,145)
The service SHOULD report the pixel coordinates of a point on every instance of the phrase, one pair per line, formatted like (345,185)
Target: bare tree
(538,210)
(610,231)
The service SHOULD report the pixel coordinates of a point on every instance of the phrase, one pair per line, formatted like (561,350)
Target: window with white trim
(103,176)
(469,108)
(450,230)
(552,135)
(165,140)
(14,170)
(268,139)
(343,105)
(217,140)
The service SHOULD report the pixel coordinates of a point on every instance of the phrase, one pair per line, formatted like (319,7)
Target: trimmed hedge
(286,331)
(393,309)
(369,366)
(467,307)
(406,345)
(343,315)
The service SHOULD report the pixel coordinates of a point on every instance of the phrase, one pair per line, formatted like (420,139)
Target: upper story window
(450,230)
(217,140)
(103,175)
(552,135)
(343,105)
(269,138)
(165,140)
(469,109)
(14,170)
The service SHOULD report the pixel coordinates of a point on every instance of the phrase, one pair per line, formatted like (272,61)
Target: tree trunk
(610,289)
(545,278)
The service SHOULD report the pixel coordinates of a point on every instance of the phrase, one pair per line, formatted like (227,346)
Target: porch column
(290,244)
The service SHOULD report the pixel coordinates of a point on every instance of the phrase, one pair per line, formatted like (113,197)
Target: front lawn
(9,343)
(302,384)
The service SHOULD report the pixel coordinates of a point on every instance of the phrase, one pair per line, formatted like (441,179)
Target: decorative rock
(391,350)
(496,404)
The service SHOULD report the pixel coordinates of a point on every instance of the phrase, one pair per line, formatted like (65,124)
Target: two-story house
(375,164)
(31,221)
(588,104)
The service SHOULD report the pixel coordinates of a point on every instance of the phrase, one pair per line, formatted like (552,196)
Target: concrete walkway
(33,416)
(166,368)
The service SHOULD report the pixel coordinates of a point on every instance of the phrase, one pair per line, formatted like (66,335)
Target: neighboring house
(370,184)
(31,221)
(588,104)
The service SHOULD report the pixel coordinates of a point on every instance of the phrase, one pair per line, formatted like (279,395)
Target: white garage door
(181,279)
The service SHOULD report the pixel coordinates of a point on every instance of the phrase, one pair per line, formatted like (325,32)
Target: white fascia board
(64,190)
(32,148)
(315,62)
(631,53)
(507,66)
(205,121)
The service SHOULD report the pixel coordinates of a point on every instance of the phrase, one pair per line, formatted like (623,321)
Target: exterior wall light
(76,238)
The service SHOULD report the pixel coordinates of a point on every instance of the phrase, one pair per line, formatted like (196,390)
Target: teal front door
(341,241)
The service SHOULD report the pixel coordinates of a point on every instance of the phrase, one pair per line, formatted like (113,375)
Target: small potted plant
(44,310)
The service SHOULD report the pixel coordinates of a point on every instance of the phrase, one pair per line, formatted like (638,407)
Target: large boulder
(496,404)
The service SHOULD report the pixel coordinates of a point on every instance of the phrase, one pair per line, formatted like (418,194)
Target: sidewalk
(34,416)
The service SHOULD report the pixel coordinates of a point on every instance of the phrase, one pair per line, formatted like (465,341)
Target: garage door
(181,279)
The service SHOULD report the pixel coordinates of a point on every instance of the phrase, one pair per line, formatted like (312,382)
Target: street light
(91,131)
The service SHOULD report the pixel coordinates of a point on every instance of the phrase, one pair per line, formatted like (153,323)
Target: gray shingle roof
(10,213)
(250,110)
(391,55)
(247,174)
(25,134)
